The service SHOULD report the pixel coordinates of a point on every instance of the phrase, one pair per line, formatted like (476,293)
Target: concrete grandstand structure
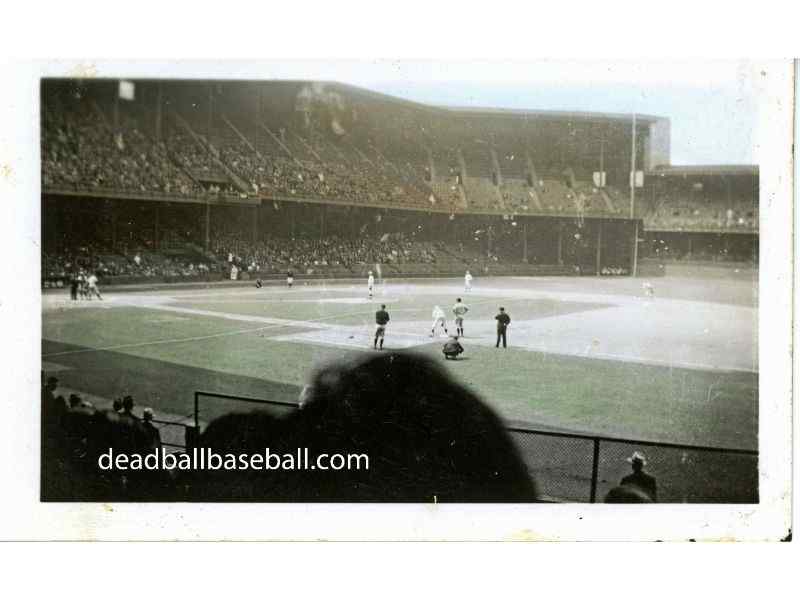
(187,162)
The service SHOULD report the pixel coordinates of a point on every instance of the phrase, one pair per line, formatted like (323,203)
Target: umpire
(502,325)
(381,319)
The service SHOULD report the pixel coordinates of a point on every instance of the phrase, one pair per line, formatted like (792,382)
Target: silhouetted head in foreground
(427,437)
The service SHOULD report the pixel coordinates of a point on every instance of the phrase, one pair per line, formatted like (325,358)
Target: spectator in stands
(77,424)
(127,411)
(639,479)
(153,436)
(53,412)
(49,387)
(127,407)
(74,401)
(53,408)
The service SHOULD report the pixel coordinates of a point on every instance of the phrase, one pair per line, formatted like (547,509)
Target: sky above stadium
(712,106)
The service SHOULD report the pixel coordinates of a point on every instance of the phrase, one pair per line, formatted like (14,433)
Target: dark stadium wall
(126,225)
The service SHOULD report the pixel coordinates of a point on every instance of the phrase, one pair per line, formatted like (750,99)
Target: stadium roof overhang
(553,114)
(705,170)
(560,115)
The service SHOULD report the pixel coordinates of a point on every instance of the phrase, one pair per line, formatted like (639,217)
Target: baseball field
(587,355)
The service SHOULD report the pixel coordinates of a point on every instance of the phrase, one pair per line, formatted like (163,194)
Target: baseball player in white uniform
(438,320)
(459,310)
(467,281)
(92,289)
(370,284)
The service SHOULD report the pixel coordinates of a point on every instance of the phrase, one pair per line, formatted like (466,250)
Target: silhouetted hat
(637,457)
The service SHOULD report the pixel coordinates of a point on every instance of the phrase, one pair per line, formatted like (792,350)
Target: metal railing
(575,467)
(276,406)
(173,433)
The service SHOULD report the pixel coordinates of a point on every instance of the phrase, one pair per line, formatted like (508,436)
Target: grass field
(586,355)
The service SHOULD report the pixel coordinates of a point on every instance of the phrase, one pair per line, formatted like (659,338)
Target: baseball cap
(637,457)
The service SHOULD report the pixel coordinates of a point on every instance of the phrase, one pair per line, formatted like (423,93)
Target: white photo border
(26,518)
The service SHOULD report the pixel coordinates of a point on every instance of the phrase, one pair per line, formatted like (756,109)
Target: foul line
(273,324)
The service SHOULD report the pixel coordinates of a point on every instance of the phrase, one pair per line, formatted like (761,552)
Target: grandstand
(181,198)
(702,213)
(215,144)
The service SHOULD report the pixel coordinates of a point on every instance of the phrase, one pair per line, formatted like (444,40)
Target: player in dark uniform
(381,319)
(289,278)
(502,324)
(73,286)
(81,285)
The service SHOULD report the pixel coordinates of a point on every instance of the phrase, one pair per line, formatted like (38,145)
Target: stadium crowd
(79,151)
(60,267)
(276,253)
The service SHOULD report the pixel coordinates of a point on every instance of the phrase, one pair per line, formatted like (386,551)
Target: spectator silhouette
(239,433)
(54,409)
(152,434)
(77,424)
(428,439)
(639,479)
(127,407)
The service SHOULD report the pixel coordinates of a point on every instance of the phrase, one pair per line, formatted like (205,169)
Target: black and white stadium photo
(345,290)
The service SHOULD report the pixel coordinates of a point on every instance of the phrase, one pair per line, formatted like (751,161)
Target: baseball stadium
(208,246)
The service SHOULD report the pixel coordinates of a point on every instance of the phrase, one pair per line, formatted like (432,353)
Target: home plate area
(359,338)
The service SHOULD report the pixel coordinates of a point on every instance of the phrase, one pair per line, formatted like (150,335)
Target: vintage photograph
(296,290)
